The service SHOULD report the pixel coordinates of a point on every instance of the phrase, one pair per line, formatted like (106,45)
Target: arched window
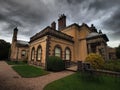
(33,54)
(67,54)
(23,53)
(58,51)
(39,53)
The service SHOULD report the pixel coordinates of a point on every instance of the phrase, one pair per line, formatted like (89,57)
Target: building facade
(19,48)
(73,42)
(112,53)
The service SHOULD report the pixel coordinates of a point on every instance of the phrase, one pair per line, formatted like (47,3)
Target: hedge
(55,63)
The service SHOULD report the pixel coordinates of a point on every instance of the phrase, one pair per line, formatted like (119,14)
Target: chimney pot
(15,34)
(61,22)
(53,25)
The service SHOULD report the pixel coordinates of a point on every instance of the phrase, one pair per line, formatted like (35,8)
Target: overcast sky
(31,16)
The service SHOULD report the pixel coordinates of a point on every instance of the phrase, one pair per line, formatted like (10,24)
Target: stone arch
(39,53)
(33,54)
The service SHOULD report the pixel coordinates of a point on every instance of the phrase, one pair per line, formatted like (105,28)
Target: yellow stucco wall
(83,32)
(35,44)
(13,51)
(20,52)
(63,44)
(16,52)
(80,44)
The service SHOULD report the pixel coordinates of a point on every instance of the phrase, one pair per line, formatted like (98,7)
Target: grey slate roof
(22,43)
(93,34)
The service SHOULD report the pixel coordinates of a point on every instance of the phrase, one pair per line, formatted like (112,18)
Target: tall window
(67,54)
(58,51)
(23,53)
(32,54)
(39,53)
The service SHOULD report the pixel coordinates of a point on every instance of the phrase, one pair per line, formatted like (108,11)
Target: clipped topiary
(95,60)
(55,63)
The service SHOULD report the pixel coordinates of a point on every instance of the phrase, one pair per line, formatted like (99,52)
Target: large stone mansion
(73,43)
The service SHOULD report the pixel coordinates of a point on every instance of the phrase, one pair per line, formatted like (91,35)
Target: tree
(118,52)
(4,49)
(95,60)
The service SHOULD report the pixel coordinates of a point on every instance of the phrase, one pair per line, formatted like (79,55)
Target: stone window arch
(33,54)
(67,53)
(39,53)
(23,53)
(58,51)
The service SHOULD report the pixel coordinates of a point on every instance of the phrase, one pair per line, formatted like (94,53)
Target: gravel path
(10,80)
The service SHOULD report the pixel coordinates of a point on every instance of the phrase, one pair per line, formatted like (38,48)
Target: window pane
(67,53)
(68,57)
(33,54)
(57,52)
(23,53)
(39,54)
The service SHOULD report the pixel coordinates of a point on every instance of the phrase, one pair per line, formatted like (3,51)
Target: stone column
(89,48)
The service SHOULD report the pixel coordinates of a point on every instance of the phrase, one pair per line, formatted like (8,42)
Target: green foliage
(95,60)
(4,49)
(55,64)
(29,71)
(84,81)
(118,52)
(113,65)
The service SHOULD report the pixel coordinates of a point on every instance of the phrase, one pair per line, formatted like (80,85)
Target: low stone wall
(112,73)
(36,63)
(86,67)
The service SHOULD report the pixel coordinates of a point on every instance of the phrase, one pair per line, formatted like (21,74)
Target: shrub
(55,64)
(95,60)
(112,65)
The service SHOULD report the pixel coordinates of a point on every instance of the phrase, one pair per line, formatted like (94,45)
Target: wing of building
(73,43)
(19,48)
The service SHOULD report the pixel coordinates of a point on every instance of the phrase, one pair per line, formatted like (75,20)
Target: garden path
(10,80)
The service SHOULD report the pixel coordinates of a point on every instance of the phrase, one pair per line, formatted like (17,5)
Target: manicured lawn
(79,81)
(28,71)
(16,62)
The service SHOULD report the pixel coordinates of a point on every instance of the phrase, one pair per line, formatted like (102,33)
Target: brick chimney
(53,25)
(93,28)
(15,35)
(62,22)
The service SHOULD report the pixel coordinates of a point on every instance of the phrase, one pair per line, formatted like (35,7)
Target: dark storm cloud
(114,36)
(113,23)
(22,14)
(33,15)
(103,4)
(75,1)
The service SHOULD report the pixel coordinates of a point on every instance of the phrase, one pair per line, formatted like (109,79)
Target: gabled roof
(49,31)
(95,35)
(21,43)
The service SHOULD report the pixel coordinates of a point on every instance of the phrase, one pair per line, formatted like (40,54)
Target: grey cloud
(22,14)
(113,23)
(31,16)
(103,4)
(114,36)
